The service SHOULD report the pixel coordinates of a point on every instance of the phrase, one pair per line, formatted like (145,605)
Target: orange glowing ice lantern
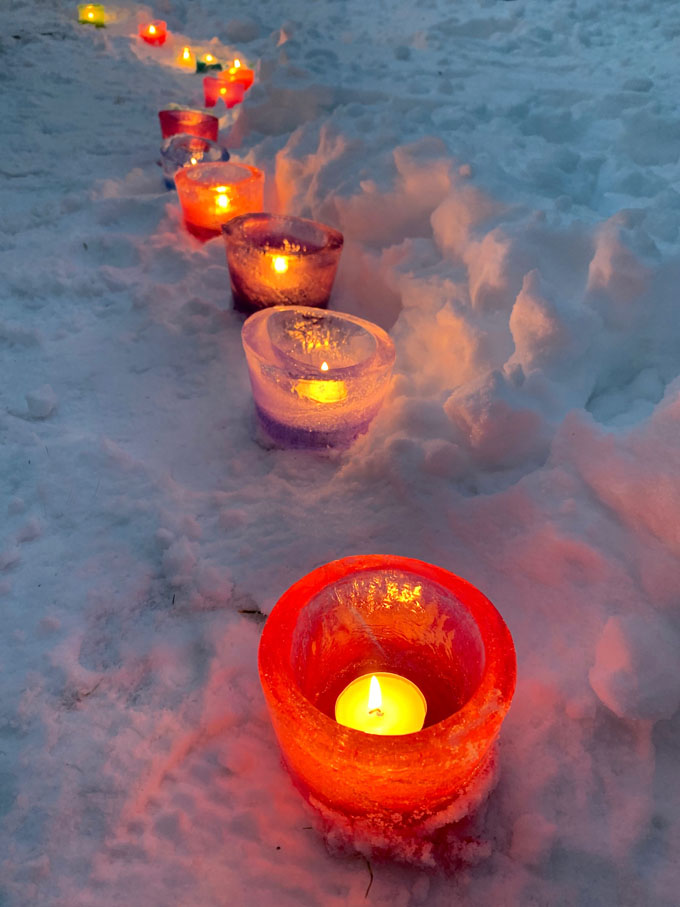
(212,193)
(397,765)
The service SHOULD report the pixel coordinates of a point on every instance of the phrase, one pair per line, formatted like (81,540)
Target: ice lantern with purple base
(318,377)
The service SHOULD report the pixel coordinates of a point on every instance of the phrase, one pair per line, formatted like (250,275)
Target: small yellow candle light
(92,14)
(186,59)
(382,703)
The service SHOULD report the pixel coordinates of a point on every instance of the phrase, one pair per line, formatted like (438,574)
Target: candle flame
(223,90)
(186,54)
(152,29)
(222,198)
(280,264)
(324,368)
(193,161)
(237,63)
(374,697)
(209,58)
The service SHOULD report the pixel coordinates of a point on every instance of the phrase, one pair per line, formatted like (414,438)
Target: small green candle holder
(207,62)
(92,14)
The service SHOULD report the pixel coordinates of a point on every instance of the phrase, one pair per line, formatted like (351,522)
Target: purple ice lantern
(318,377)
(184,150)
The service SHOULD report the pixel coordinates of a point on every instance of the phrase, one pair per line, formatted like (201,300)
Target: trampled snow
(507,178)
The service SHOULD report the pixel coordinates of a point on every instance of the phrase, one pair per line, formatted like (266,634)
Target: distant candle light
(92,14)
(280,265)
(154,33)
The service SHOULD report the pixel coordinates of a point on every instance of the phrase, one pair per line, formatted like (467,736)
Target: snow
(507,178)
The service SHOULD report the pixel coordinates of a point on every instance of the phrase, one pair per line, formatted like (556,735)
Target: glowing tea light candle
(212,193)
(381,704)
(186,59)
(322,391)
(92,14)
(207,61)
(154,32)
(275,259)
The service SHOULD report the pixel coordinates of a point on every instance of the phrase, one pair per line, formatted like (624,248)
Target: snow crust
(507,178)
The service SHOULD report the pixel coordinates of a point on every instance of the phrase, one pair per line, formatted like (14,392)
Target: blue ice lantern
(185,150)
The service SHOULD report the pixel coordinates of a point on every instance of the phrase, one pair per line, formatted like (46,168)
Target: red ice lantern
(220,87)
(191,122)
(374,616)
(154,32)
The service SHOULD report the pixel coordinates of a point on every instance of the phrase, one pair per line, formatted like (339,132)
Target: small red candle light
(191,122)
(211,194)
(379,613)
(154,32)
(220,87)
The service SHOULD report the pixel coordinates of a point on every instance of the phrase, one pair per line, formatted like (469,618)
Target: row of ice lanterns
(318,379)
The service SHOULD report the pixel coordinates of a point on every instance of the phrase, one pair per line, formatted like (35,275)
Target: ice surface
(506,177)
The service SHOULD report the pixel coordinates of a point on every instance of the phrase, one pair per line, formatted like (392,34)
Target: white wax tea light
(381,703)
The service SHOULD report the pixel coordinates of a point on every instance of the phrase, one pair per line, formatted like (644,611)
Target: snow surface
(506,175)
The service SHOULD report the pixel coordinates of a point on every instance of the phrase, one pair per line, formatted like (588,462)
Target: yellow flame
(280,264)
(209,58)
(223,90)
(152,29)
(374,695)
(186,54)
(193,161)
(237,63)
(222,199)
(90,14)
(324,368)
